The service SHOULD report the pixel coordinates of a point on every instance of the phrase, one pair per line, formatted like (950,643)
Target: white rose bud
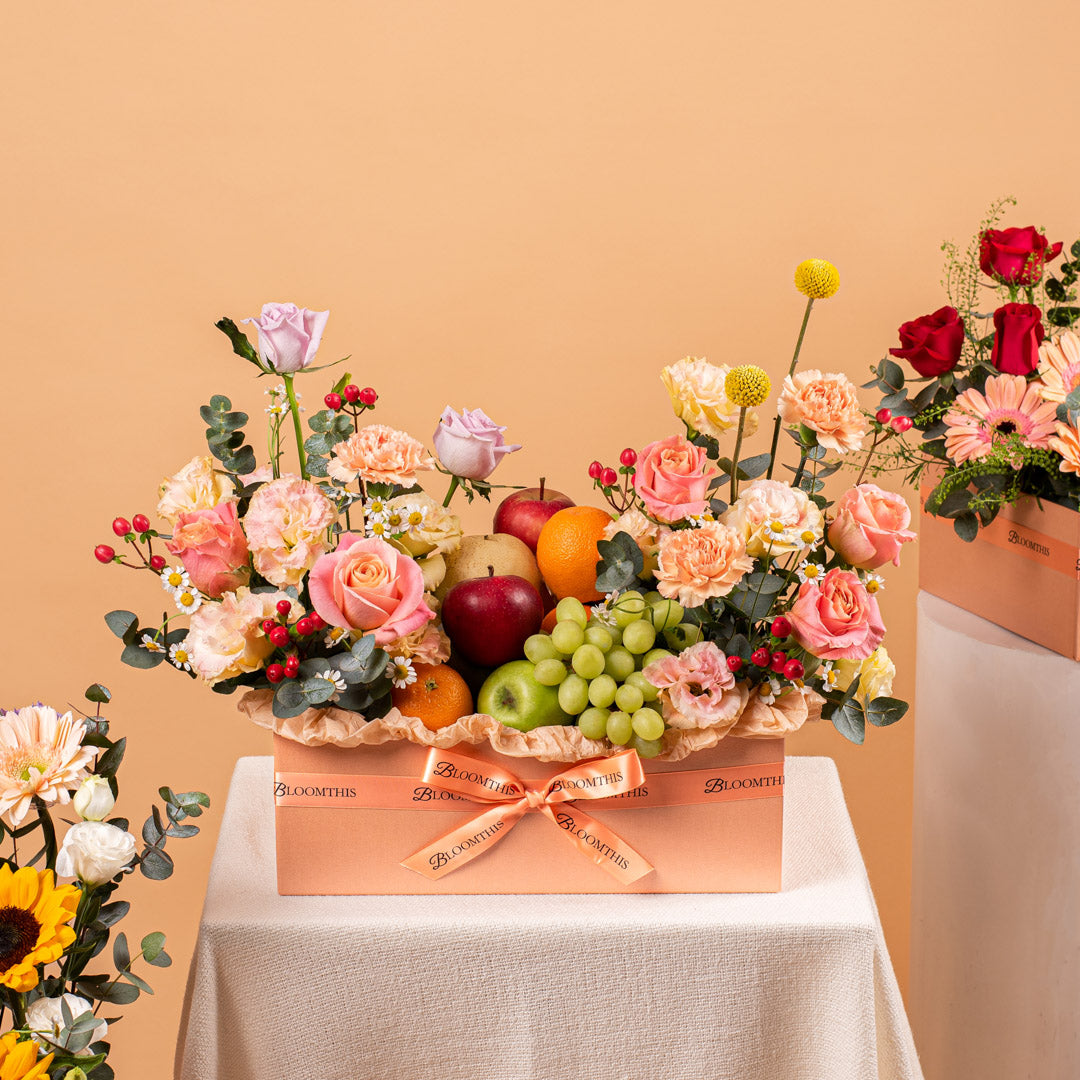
(94,800)
(95,852)
(45,1019)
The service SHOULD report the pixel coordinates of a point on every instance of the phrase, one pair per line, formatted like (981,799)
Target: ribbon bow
(482,781)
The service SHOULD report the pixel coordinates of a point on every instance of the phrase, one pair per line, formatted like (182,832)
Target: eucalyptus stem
(791,371)
(735,457)
(454,484)
(294,408)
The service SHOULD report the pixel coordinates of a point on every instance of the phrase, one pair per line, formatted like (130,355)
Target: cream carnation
(828,404)
(645,533)
(197,486)
(696,389)
(438,534)
(765,504)
(696,565)
(379,455)
(286,525)
(428,645)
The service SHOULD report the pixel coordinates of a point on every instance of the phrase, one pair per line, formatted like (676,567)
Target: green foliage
(225,435)
(620,563)
(240,343)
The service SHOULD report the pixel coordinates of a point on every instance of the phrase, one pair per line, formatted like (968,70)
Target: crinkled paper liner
(339,727)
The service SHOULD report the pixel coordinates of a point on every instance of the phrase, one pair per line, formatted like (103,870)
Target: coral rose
(368,585)
(696,565)
(379,455)
(212,546)
(227,639)
(838,619)
(828,404)
(870,527)
(765,503)
(197,486)
(646,534)
(673,477)
(697,688)
(286,526)
(696,389)
(469,443)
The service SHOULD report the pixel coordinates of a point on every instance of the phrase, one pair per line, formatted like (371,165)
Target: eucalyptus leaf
(156,865)
(620,563)
(121,953)
(966,526)
(99,694)
(137,656)
(152,944)
(849,720)
(883,711)
(121,623)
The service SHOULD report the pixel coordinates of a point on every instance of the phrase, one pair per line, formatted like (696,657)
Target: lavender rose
(289,336)
(470,444)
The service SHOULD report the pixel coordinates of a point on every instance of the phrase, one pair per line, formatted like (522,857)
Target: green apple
(513,696)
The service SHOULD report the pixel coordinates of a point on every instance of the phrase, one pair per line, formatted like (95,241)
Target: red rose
(1018,330)
(931,344)
(1015,256)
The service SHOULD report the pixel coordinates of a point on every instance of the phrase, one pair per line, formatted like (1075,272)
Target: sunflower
(1008,405)
(19,1060)
(33,930)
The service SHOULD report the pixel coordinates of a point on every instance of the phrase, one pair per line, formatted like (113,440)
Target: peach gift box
(726,843)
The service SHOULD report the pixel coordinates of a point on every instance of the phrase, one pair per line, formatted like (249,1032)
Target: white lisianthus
(95,852)
(94,800)
(45,1019)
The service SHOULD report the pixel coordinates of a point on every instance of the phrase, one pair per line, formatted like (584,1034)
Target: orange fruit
(438,697)
(566,551)
(550,619)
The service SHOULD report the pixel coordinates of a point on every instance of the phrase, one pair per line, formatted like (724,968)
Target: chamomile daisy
(334,676)
(376,528)
(829,676)
(173,578)
(810,573)
(873,583)
(152,643)
(394,521)
(335,636)
(402,672)
(415,516)
(187,600)
(179,656)
(375,510)
(769,691)
(697,520)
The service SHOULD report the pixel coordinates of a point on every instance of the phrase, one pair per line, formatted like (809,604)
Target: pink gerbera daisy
(41,755)
(1059,366)
(1008,405)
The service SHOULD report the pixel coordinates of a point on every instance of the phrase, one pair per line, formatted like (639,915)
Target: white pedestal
(995,940)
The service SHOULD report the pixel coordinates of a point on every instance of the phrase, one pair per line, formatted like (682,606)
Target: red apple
(489,618)
(524,513)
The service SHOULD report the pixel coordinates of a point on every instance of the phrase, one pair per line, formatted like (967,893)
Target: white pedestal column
(995,945)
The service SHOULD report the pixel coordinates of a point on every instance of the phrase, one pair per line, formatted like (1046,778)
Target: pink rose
(870,527)
(470,443)
(368,585)
(673,477)
(212,547)
(697,688)
(838,619)
(289,336)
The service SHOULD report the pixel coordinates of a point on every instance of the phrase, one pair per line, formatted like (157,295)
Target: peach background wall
(528,207)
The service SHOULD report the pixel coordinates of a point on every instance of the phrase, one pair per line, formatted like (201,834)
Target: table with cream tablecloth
(796,985)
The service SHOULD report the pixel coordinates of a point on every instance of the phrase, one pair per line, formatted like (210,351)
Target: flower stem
(791,371)
(454,484)
(799,470)
(735,456)
(294,408)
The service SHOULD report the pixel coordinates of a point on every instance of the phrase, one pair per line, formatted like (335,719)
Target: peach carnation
(197,486)
(379,455)
(696,565)
(646,534)
(774,518)
(828,404)
(227,639)
(697,688)
(1059,366)
(696,389)
(428,645)
(286,525)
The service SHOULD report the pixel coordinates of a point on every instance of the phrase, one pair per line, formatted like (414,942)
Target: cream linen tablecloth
(790,986)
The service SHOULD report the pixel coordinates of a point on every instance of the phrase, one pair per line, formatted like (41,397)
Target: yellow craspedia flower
(817,278)
(19,1060)
(747,386)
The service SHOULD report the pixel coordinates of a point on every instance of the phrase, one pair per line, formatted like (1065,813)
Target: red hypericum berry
(734,663)
(368,396)
(883,416)
(794,669)
(268,625)
(332,401)
(157,562)
(317,620)
(279,636)
(292,666)
(760,657)
(781,627)
(596,470)
(777,661)
(305,626)
(609,478)
(351,393)
(628,457)
(104,554)
(284,607)
(275,672)
(901,424)
(121,526)
(140,523)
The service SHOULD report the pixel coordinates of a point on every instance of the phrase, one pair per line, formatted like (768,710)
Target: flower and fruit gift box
(994,406)
(586,699)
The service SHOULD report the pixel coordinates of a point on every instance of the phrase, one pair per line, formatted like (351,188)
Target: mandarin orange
(438,697)
(566,551)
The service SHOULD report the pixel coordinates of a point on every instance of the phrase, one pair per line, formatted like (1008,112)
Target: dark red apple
(524,513)
(489,618)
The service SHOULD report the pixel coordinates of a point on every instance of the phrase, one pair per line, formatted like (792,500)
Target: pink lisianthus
(212,546)
(286,525)
(870,527)
(838,619)
(697,688)
(365,584)
(470,444)
(672,478)
(289,336)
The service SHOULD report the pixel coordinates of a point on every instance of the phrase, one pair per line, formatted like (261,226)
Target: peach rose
(646,535)
(838,619)
(197,486)
(828,405)
(870,527)
(212,547)
(695,565)
(365,584)
(673,477)
(696,389)
(379,455)
(697,688)
(227,639)
(765,503)
(286,526)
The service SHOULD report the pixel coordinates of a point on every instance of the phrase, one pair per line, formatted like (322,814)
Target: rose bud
(931,344)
